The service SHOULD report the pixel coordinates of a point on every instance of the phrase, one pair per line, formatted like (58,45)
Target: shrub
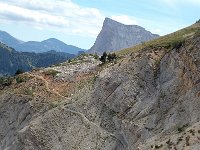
(112,56)
(108,57)
(169,142)
(19,71)
(96,56)
(69,60)
(187,139)
(28,91)
(6,81)
(103,58)
(51,72)
(20,79)
(192,131)
(54,104)
(177,44)
(198,21)
(182,128)
(158,146)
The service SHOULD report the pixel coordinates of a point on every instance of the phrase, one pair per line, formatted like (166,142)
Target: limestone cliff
(116,36)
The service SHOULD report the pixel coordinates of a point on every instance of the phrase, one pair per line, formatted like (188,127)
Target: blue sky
(78,22)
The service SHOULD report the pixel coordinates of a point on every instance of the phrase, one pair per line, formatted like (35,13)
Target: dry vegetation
(169,41)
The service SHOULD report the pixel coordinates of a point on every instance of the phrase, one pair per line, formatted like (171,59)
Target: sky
(78,22)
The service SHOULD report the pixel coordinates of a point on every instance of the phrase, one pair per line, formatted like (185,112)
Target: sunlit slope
(168,41)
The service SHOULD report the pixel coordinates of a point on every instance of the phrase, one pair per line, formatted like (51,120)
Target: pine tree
(103,57)
(112,56)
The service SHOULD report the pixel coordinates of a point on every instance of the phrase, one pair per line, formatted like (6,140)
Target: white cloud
(63,15)
(20,14)
(70,18)
(124,19)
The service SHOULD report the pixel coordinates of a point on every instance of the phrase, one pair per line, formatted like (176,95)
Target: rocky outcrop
(116,36)
(148,99)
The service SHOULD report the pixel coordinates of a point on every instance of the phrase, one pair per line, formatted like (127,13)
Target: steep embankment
(148,99)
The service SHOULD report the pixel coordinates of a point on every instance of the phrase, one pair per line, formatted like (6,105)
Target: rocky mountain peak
(108,22)
(115,36)
(111,23)
(8,39)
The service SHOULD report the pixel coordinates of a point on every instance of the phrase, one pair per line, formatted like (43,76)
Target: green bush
(51,72)
(103,58)
(20,79)
(19,71)
(28,92)
(177,44)
(111,56)
(108,57)
(69,60)
(6,81)
(96,56)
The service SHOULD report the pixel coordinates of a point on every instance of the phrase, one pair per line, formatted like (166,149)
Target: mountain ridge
(8,39)
(36,46)
(12,60)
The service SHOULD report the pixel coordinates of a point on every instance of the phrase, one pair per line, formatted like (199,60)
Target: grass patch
(22,78)
(54,104)
(51,72)
(170,41)
(6,81)
(28,91)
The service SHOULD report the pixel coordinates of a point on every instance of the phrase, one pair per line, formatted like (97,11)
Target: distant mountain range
(115,36)
(11,60)
(38,47)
